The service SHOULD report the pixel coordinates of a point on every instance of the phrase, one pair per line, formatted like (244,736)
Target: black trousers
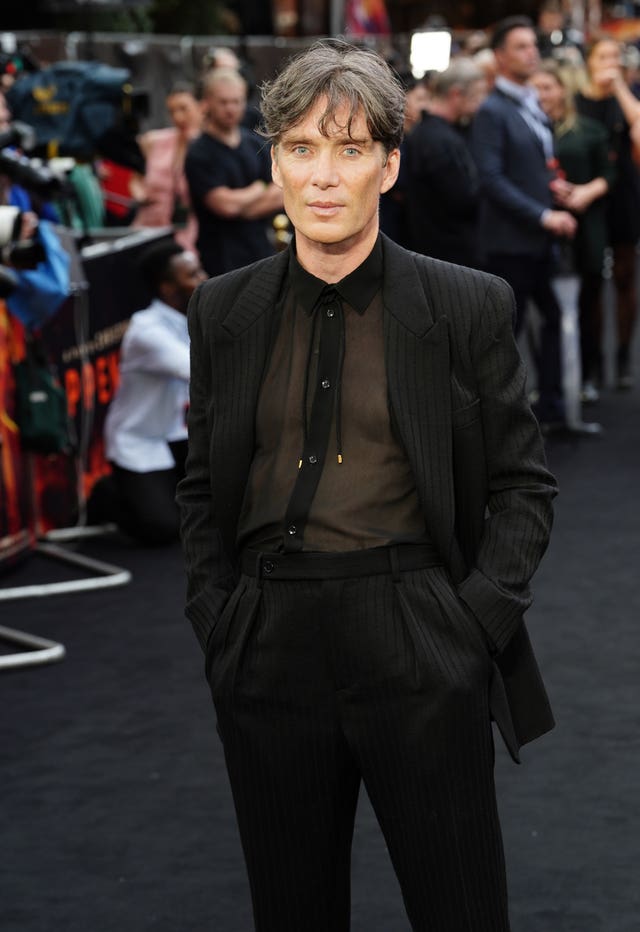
(383,678)
(141,503)
(530,278)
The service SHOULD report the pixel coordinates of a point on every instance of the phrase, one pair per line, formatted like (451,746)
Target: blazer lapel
(240,346)
(257,297)
(419,382)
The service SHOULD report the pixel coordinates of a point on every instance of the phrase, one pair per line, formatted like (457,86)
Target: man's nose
(325,173)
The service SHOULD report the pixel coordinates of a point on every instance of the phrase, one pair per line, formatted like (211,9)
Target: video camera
(28,172)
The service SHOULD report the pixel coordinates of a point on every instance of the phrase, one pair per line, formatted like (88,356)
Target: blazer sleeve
(520,488)
(210,576)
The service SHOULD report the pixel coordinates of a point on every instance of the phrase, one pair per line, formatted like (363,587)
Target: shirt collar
(357,289)
(521,92)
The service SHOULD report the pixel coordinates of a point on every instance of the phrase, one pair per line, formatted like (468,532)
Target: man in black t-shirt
(229,174)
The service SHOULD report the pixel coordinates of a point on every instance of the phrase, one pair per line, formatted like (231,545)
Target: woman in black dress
(585,175)
(607,99)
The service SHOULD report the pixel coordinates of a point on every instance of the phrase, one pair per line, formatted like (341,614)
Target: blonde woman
(584,177)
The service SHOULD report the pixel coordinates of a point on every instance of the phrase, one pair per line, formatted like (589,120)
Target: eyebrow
(343,139)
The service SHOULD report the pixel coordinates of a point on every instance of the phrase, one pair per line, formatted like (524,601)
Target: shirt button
(330,311)
(292,529)
(313,458)
(326,383)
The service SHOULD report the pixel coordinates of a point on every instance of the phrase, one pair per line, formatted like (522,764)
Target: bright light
(430,51)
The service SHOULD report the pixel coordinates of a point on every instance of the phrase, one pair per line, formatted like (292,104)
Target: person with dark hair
(512,143)
(145,428)
(166,192)
(607,99)
(393,203)
(365,501)
(555,38)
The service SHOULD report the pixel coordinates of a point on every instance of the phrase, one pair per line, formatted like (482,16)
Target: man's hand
(560,223)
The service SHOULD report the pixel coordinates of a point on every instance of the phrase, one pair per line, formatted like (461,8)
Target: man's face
(187,274)
(416,102)
(518,58)
(332,184)
(471,100)
(225,104)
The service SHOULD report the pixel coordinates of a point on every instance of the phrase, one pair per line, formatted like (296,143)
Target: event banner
(16,513)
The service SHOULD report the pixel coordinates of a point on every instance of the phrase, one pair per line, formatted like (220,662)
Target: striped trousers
(384,679)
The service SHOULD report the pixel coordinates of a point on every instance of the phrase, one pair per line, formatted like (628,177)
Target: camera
(30,173)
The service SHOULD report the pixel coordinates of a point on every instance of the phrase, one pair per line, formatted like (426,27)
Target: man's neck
(514,78)
(230,137)
(176,304)
(331,262)
(441,108)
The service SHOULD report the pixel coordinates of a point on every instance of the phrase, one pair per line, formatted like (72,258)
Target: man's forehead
(519,35)
(338,120)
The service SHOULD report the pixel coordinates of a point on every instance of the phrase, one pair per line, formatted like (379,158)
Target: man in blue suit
(512,143)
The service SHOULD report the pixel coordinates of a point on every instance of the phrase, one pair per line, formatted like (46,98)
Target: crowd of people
(519,159)
(527,166)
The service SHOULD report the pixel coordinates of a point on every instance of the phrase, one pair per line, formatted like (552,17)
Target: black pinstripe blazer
(456,394)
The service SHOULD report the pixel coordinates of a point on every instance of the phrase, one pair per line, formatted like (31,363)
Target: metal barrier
(36,650)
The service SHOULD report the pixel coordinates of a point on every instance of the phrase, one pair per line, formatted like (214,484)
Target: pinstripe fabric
(318,685)
(456,391)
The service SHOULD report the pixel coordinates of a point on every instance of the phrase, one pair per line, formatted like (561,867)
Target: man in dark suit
(365,502)
(442,178)
(512,143)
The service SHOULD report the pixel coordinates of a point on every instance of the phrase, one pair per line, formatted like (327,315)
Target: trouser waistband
(393,559)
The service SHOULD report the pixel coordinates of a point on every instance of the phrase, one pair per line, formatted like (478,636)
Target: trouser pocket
(449,644)
(219,635)
(228,655)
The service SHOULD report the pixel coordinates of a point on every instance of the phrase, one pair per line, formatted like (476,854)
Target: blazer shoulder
(437,270)
(216,297)
(463,293)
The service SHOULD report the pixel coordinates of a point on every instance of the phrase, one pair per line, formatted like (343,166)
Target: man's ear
(391,169)
(275,171)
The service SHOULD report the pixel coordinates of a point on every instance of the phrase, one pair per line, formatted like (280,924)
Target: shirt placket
(316,441)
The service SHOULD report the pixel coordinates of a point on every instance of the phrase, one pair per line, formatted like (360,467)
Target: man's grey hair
(462,73)
(343,74)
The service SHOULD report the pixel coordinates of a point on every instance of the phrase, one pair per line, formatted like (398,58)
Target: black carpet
(115,810)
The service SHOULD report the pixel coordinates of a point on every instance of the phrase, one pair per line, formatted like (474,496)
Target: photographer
(145,430)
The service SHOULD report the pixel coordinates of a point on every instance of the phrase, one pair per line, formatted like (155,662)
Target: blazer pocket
(462,417)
